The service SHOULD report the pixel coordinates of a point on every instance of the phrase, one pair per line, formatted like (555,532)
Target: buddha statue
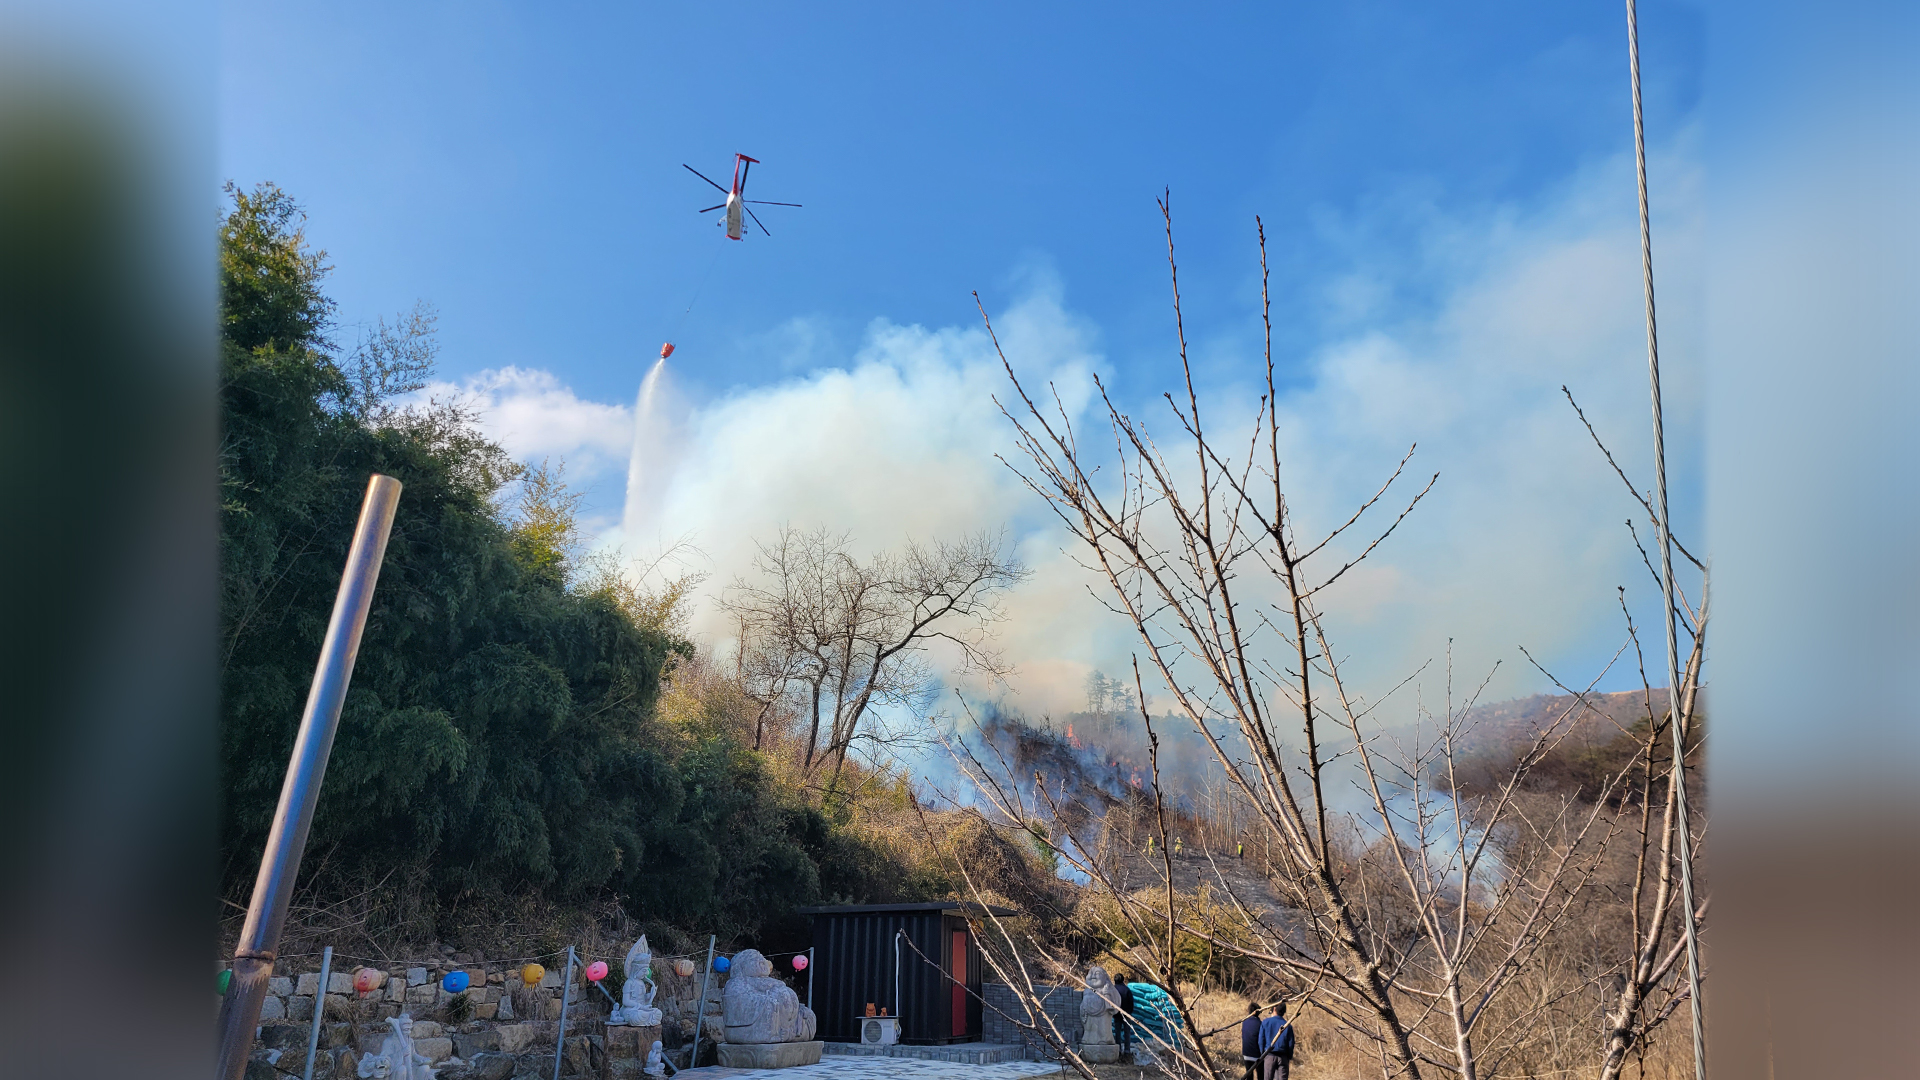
(396,1059)
(656,1065)
(636,998)
(760,1008)
(1097,1009)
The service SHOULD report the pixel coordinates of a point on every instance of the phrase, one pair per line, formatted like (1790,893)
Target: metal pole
(566,998)
(280,862)
(809,978)
(319,1009)
(1679,780)
(700,1010)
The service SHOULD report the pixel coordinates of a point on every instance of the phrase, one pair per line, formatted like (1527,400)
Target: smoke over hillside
(1090,762)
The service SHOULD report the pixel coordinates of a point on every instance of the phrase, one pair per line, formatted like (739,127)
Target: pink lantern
(367,980)
(800,962)
(596,971)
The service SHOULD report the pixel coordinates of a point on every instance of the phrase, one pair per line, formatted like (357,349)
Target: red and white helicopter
(736,204)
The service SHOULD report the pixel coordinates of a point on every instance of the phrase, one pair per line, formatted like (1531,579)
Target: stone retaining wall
(1004,1013)
(497,1029)
(476,1050)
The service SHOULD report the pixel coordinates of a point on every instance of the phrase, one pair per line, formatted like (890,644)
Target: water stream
(648,470)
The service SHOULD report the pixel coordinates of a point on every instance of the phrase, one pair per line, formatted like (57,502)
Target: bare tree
(1648,987)
(855,638)
(1487,876)
(1409,922)
(767,671)
(1171,541)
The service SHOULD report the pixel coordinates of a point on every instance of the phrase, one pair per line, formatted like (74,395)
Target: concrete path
(842,1067)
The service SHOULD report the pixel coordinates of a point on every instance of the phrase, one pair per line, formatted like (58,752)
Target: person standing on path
(1250,1041)
(1276,1045)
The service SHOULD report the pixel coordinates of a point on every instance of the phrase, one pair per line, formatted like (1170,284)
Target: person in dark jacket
(1276,1045)
(1250,1041)
(1123,1020)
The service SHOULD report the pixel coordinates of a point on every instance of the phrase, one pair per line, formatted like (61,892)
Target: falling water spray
(647,469)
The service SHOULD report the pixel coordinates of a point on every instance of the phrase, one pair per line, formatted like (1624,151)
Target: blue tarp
(1154,1015)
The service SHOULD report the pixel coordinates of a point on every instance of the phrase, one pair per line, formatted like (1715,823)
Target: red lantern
(596,971)
(800,962)
(367,979)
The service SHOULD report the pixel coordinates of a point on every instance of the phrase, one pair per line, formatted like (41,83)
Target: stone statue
(636,998)
(396,1059)
(760,1008)
(1097,1009)
(656,1062)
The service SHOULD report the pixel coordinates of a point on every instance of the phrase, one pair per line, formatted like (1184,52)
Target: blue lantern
(721,963)
(455,982)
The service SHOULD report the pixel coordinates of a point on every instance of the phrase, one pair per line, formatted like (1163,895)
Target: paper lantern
(532,974)
(683,968)
(455,982)
(596,971)
(721,963)
(800,962)
(367,979)
(226,980)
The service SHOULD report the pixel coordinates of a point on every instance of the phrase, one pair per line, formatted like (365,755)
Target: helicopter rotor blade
(756,219)
(746,166)
(764,202)
(703,176)
(710,209)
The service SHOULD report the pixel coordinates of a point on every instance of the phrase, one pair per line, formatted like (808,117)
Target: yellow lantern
(683,968)
(532,974)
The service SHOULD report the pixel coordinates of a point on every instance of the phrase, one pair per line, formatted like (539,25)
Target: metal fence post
(566,998)
(319,1009)
(700,1011)
(280,862)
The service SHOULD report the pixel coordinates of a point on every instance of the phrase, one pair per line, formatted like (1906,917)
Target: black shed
(854,958)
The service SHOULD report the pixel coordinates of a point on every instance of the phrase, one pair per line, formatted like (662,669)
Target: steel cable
(1679,780)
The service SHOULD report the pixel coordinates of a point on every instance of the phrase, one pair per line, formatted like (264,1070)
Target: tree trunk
(1462,1038)
(813,733)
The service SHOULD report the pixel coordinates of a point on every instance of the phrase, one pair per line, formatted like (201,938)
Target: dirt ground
(1125,1072)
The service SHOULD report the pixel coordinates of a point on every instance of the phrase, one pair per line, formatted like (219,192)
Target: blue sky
(519,165)
(1417,167)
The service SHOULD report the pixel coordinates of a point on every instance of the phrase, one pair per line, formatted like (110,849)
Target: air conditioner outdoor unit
(879,1030)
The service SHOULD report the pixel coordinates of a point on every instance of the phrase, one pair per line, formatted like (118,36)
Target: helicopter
(736,204)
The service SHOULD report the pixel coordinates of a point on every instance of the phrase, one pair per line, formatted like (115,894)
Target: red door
(959,970)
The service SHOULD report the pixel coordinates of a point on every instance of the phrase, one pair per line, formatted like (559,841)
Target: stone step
(974,1053)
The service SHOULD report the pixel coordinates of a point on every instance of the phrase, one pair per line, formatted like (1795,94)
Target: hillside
(1596,720)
